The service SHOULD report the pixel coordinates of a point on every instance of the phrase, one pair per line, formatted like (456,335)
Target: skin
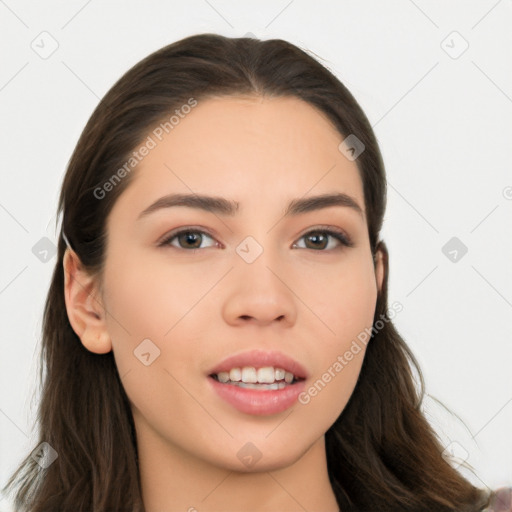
(262,153)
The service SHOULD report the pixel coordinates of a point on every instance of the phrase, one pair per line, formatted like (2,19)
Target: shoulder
(501,500)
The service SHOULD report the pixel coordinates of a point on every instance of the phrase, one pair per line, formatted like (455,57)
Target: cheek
(147,302)
(346,301)
(144,302)
(147,297)
(347,308)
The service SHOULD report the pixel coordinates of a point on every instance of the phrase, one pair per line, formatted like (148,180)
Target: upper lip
(260,359)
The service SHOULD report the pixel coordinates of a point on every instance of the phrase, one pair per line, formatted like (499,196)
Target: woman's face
(249,279)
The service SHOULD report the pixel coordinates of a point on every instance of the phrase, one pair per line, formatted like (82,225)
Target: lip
(252,401)
(260,359)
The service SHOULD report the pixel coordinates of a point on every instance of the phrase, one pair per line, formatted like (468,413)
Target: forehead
(248,149)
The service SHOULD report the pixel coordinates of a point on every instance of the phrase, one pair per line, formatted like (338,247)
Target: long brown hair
(382,453)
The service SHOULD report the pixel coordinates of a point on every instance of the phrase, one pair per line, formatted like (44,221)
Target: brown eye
(186,238)
(318,239)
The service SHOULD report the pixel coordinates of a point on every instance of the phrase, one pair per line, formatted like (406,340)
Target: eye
(320,236)
(190,238)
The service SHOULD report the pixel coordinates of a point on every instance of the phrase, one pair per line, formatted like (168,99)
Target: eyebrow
(225,207)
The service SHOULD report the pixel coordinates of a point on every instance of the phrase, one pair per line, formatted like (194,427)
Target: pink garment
(502,502)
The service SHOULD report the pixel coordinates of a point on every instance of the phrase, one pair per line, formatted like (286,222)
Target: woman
(257,368)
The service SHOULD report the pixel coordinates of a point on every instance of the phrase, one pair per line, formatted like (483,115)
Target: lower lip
(252,401)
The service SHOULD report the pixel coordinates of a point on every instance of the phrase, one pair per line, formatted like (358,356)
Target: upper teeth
(249,374)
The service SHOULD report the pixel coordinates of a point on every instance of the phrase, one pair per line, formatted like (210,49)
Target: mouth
(259,382)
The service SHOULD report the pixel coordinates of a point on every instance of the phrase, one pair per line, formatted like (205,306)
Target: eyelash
(339,235)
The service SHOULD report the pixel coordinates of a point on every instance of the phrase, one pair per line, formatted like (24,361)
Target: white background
(443,124)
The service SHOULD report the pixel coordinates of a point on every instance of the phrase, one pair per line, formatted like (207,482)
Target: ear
(380,269)
(83,304)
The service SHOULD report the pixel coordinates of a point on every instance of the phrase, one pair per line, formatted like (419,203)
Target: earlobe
(83,305)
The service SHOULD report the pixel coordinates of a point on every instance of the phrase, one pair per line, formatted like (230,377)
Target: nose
(260,293)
